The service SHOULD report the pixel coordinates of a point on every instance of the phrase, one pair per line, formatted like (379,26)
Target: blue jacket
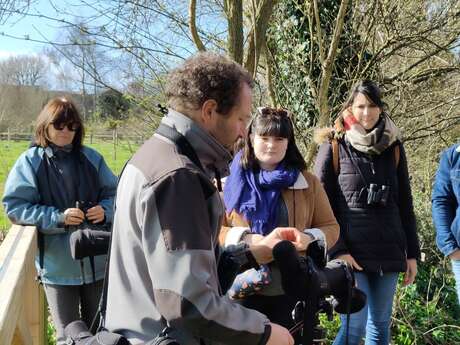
(446,201)
(37,193)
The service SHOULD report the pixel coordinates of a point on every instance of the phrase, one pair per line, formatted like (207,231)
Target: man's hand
(279,336)
(455,255)
(351,261)
(73,216)
(411,272)
(263,249)
(95,214)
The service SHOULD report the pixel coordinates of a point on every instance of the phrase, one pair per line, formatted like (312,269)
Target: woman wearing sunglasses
(269,187)
(43,189)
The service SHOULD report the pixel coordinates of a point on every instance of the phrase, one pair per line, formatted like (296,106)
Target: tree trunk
(269,76)
(235,45)
(326,72)
(256,40)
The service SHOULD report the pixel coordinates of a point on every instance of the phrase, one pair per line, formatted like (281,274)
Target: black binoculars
(378,195)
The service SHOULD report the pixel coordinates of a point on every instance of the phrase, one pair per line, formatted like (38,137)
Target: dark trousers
(68,303)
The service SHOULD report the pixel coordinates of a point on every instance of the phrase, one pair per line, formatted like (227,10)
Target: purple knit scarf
(255,195)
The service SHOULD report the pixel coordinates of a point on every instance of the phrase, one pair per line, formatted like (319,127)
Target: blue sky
(34,27)
(167,43)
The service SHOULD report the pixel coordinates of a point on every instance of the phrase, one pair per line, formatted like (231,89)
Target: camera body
(310,279)
(378,195)
(303,277)
(85,205)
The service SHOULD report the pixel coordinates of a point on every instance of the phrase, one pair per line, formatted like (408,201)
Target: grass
(115,156)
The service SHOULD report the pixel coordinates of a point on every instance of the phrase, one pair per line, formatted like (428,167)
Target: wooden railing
(22,303)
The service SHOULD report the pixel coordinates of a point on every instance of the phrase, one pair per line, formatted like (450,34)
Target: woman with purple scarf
(269,187)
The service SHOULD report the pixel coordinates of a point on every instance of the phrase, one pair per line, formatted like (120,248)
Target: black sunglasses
(71,126)
(273,111)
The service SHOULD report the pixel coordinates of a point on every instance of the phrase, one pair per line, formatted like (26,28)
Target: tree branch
(192,25)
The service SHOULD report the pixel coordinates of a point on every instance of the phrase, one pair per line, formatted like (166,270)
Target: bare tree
(13,7)
(23,70)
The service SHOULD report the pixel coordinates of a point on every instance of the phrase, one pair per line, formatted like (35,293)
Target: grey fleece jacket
(163,265)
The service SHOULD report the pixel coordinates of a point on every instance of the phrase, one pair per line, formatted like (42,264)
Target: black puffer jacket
(380,238)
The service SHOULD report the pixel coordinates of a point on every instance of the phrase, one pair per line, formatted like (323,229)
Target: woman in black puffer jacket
(363,167)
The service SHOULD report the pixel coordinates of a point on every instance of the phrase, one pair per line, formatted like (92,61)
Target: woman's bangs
(273,127)
(64,114)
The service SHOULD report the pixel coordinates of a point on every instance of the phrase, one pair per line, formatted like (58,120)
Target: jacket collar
(300,183)
(211,153)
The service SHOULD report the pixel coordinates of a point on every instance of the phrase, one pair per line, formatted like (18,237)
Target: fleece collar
(300,183)
(211,153)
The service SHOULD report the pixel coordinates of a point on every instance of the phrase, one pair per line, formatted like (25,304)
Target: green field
(115,156)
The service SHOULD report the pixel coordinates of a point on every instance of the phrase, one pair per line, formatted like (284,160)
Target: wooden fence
(113,136)
(22,302)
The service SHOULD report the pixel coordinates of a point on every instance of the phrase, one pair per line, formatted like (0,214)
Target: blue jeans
(374,319)
(456,271)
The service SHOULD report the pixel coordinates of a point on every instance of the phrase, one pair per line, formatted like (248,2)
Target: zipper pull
(372,168)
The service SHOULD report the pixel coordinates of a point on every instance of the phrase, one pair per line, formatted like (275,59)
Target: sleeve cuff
(266,335)
(235,234)
(450,251)
(317,234)
(61,219)
(242,255)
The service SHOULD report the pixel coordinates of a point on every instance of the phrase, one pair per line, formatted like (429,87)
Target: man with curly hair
(164,258)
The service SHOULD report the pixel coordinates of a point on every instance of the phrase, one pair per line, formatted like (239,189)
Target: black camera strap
(349,293)
(181,142)
(186,149)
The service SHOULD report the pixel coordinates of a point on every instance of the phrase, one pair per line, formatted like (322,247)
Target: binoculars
(378,195)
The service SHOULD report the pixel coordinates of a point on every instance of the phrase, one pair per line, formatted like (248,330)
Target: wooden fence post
(114,134)
(22,309)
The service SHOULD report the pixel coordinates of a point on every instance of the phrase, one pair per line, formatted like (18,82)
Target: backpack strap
(335,156)
(397,153)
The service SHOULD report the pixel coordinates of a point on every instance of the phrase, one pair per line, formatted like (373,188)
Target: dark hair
(277,123)
(206,76)
(60,110)
(369,89)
